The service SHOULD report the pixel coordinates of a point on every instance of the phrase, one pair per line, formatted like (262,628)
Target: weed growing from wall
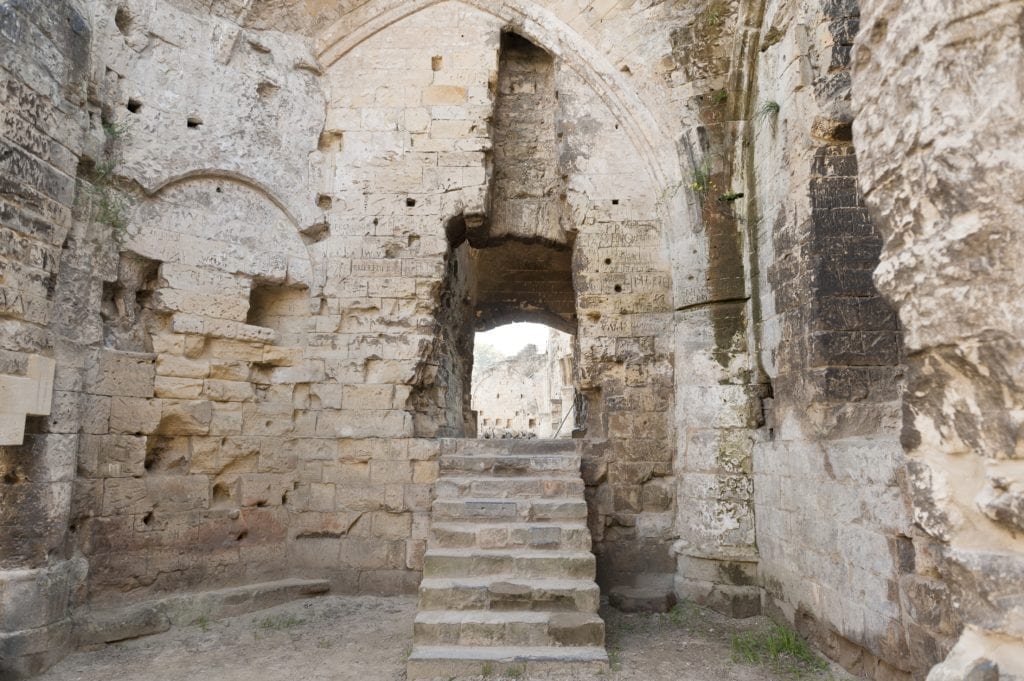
(702,182)
(768,111)
(104,203)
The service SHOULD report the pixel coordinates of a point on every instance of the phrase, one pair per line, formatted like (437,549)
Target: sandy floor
(367,639)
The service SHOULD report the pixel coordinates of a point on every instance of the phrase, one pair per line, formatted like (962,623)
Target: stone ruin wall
(255,256)
(529,394)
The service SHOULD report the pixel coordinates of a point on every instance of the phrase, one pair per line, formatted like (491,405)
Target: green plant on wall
(96,185)
(702,182)
(713,15)
(768,111)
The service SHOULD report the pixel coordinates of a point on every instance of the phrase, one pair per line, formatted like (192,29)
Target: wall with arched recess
(410,123)
(199,188)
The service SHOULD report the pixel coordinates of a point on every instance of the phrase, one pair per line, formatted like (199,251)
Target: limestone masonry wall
(250,241)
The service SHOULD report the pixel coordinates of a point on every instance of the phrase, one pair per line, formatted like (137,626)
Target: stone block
(111,456)
(641,599)
(128,374)
(228,391)
(185,417)
(135,415)
(177,388)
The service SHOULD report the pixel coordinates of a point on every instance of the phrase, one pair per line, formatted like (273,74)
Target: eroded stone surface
(256,238)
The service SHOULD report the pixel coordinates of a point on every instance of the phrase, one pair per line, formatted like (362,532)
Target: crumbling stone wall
(43,56)
(291,217)
(834,563)
(942,186)
(524,395)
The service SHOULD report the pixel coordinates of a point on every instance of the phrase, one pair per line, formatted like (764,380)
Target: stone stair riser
(578,566)
(508,488)
(584,598)
(549,536)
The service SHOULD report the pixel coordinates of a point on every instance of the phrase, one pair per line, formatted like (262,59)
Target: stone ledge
(154,617)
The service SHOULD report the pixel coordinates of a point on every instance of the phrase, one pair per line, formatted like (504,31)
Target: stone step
(554,465)
(431,662)
(515,447)
(564,536)
(520,563)
(507,628)
(504,593)
(507,488)
(512,510)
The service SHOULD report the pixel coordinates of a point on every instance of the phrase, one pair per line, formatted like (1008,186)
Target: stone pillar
(44,54)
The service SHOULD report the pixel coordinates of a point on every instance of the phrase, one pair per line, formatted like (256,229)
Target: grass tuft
(702,182)
(280,623)
(777,647)
(768,110)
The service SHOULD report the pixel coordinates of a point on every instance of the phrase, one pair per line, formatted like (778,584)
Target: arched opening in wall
(523,382)
(514,264)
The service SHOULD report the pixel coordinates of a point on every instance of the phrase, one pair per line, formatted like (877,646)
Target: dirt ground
(367,639)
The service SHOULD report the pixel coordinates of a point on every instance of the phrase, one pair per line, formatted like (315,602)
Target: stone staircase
(508,581)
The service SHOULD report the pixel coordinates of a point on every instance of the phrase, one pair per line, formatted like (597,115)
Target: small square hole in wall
(194,122)
(134,105)
(324,202)
(436,62)
(615,202)
(410,203)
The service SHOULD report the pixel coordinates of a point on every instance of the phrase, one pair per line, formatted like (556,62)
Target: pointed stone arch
(549,32)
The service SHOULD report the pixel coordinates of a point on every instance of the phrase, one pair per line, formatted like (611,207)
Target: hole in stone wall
(147,519)
(436,62)
(242,535)
(124,309)
(194,122)
(410,203)
(607,261)
(615,202)
(324,202)
(166,454)
(123,20)
(134,105)
(267,88)
(618,288)
(13,477)
(221,495)
(522,382)
(283,309)
(331,140)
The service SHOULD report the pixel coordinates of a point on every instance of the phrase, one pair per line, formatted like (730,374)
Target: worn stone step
(543,535)
(515,447)
(506,464)
(529,563)
(504,593)
(430,662)
(507,628)
(513,510)
(508,488)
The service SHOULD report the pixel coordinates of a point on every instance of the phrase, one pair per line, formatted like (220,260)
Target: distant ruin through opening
(526,393)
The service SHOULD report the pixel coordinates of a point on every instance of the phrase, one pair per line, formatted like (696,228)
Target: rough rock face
(254,238)
(943,185)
